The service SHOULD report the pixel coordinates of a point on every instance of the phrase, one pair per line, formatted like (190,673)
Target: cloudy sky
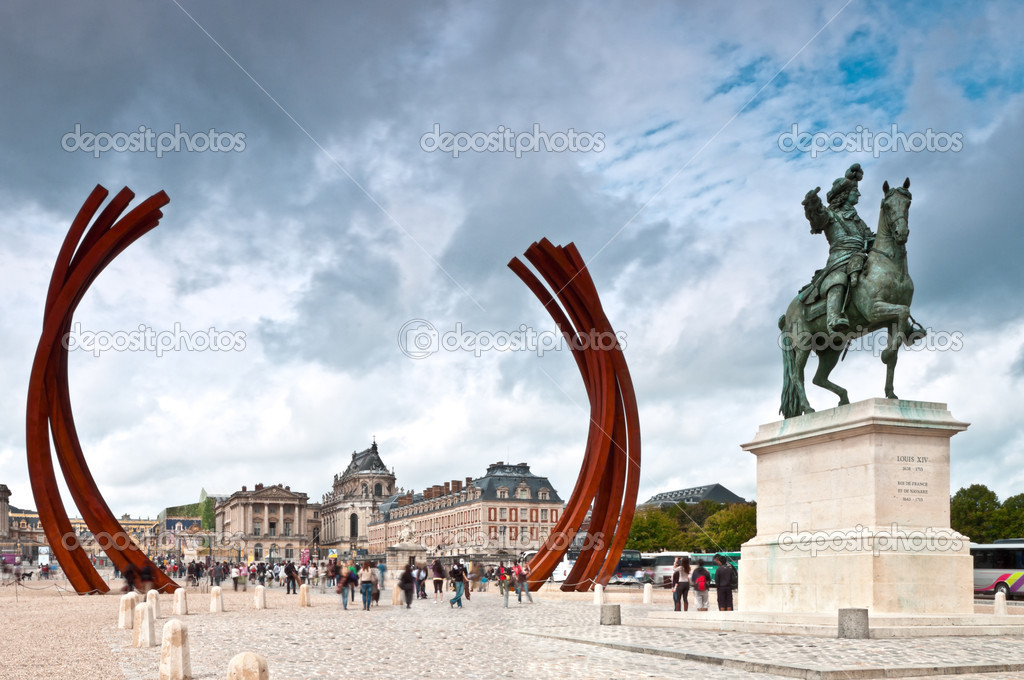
(331,220)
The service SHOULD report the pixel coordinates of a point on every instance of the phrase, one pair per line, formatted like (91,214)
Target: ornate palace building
(356,495)
(509,509)
(267,524)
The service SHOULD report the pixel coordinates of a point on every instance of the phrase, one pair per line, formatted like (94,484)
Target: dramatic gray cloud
(332,228)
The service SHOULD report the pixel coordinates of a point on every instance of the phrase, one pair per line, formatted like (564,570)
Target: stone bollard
(175,663)
(144,634)
(180,602)
(304,598)
(648,593)
(126,615)
(261,597)
(598,594)
(853,624)
(216,600)
(999,608)
(248,666)
(153,600)
(611,615)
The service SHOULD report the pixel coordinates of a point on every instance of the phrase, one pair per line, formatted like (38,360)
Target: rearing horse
(881,299)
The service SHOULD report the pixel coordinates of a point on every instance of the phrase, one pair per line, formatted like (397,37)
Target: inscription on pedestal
(911,487)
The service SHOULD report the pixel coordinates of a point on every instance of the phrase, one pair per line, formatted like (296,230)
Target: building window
(523,492)
(543,515)
(502,492)
(287,528)
(316,534)
(271,528)
(378,490)
(503,514)
(316,514)
(289,553)
(353,525)
(257,529)
(257,552)
(544,495)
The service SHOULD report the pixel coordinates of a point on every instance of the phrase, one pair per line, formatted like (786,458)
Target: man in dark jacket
(725,579)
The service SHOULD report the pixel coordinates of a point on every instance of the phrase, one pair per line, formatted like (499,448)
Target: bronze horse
(880,300)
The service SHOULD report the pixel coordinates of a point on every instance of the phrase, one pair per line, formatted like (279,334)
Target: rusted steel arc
(572,279)
(95,512)
(604,474)
(547,558)
(73,273)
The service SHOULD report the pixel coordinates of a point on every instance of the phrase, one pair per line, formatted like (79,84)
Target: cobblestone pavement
(46,635)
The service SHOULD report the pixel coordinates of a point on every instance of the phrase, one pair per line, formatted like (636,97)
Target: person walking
(700,579)
(681,583)
(421,580)
(291,577)
(367,578)
(407,582)
(725,578)
(437,569)
(458,577)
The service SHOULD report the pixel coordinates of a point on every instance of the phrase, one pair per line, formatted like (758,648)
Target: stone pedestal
(853,512)
(126,611)
(400,555)
(153,600)
(216,600)
(144,634)
(304,597)
(180,602)
(261,597)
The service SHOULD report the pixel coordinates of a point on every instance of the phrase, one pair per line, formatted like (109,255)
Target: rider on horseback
(849,240)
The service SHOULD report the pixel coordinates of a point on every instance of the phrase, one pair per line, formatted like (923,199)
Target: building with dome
(357,493)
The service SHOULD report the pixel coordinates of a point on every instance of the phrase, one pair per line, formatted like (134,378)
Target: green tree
(1010,517)
(207,516)
(974,512)
(732,526)
(653,530)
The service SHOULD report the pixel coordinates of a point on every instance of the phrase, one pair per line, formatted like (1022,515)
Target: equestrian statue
(863,287)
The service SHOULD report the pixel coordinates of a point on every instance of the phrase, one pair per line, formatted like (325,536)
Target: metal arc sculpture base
(609,478)
(83,255)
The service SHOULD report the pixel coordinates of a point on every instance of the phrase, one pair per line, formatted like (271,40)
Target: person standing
(437,569)
(681,583)
(725,578)
(367,577)
(421,580)
(700,579)
(291,579)
(522,575)
(382,569)
(458,576)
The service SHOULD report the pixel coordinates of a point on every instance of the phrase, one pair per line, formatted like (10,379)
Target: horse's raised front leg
(889,356)
(827,360)
(798,377)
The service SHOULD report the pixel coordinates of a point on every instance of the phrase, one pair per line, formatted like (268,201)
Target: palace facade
(509,509)
(267,524)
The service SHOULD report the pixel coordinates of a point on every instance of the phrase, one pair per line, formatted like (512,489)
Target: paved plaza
(51,634)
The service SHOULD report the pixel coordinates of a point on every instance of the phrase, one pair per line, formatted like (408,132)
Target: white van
(663,563)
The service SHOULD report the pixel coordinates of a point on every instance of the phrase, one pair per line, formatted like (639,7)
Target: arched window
(353,525)
(378,490)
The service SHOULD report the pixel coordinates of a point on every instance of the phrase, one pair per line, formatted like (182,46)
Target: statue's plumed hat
(843,185)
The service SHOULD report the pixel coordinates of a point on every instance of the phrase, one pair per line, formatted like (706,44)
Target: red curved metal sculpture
(83,255)
(610,475)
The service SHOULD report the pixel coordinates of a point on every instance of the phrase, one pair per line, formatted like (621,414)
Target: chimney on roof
(525,465)
(447,488)
(469,482)
(287,488)
(456,486)
(243,487)
(438,490)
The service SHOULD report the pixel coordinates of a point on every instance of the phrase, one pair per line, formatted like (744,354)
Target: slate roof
(693,495)
(511,476)
(366,461)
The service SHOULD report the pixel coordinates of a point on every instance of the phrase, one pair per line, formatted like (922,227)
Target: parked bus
(661,567)
(998,567)
(709,562)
